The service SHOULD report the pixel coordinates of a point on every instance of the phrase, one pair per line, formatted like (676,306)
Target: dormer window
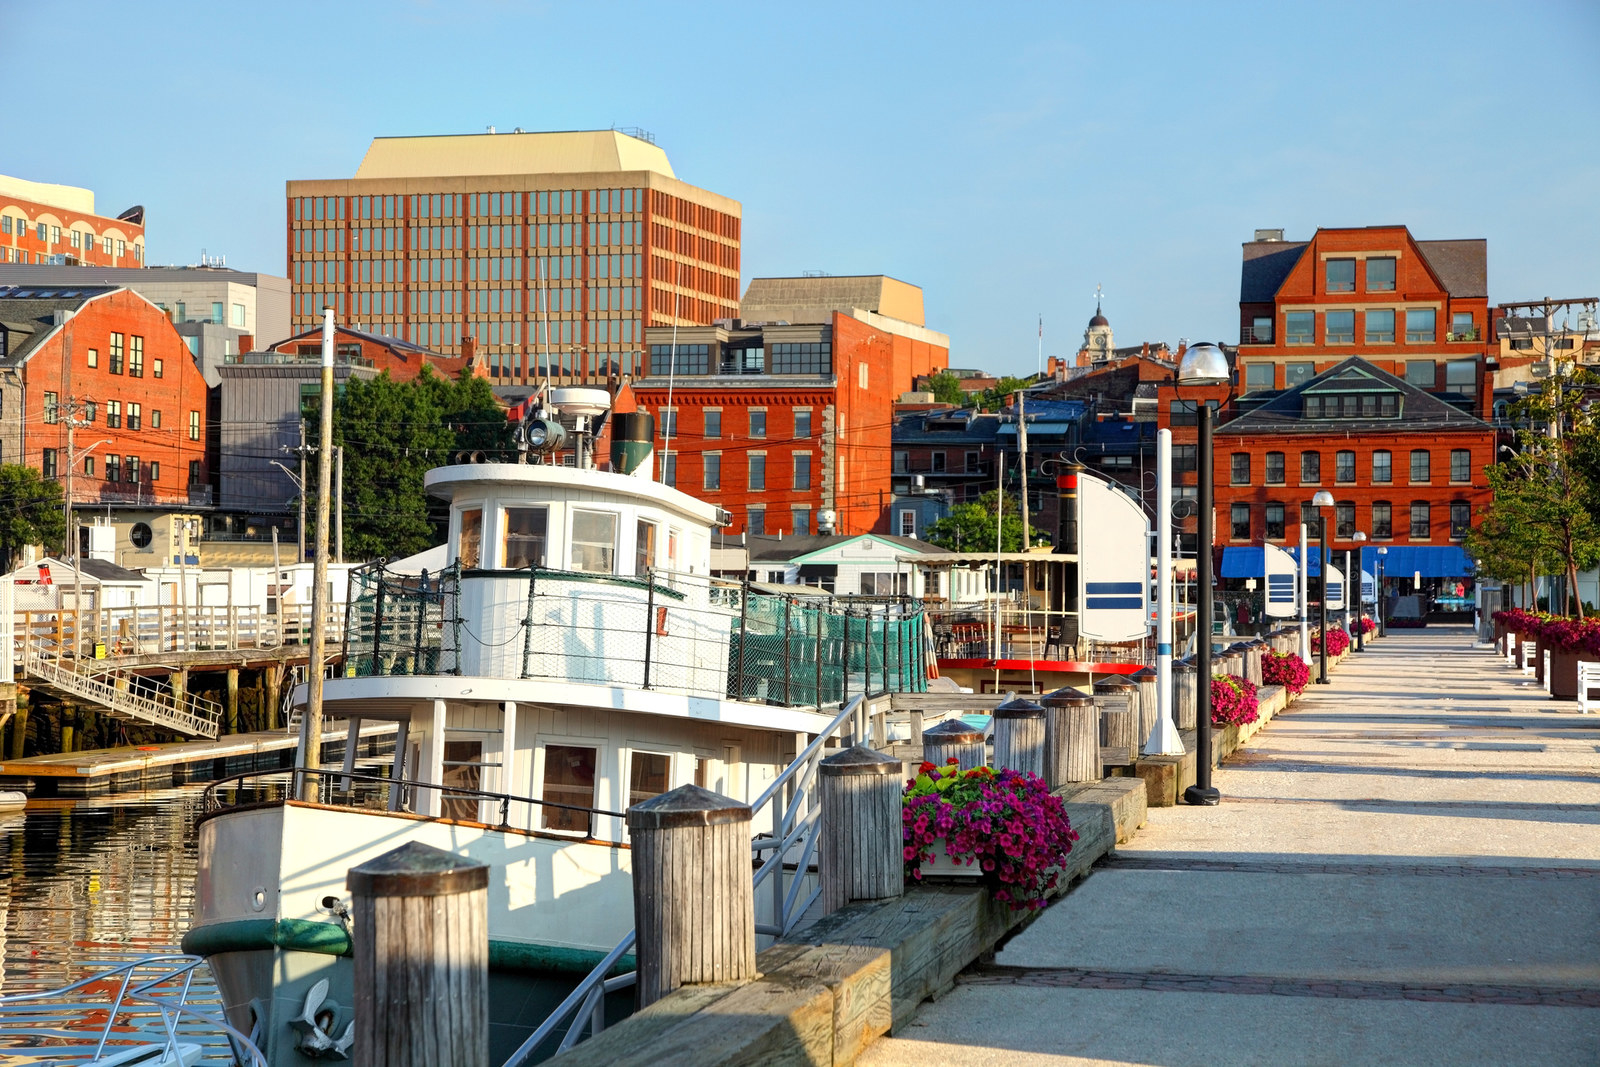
(1368,405)
(1341,275)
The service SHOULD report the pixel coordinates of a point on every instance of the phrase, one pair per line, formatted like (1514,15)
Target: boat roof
(449,482)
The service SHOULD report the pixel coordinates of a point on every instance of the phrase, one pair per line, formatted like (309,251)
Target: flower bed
(1367,626)
(1233,700)
(1579,637)
(1006,822)
(1287,670)
(1338,643)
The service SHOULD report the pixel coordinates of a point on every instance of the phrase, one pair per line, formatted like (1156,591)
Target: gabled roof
(765,548)
(393,343)
(1419,410)
(1463,266)
(1266,265)
(30,310)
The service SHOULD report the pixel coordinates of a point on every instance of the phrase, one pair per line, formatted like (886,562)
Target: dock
(115,770)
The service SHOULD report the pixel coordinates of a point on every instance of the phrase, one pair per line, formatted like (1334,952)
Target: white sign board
(1113,563)
(1282,583)
(1369,588)
(1333,588)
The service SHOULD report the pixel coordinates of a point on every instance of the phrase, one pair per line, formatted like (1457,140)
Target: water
(93,883)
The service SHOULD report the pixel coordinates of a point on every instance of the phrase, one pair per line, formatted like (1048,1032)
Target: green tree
(946,389)
(971,527)
(30,513)
(393,433)
(998,397)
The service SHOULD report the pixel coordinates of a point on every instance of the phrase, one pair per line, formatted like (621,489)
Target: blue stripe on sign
(1091,588)
(1110,602)
(1163,650)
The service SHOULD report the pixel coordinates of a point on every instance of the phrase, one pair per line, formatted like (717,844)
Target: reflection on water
(89,884)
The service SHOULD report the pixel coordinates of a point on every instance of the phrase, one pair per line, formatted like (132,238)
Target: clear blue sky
(1007,158)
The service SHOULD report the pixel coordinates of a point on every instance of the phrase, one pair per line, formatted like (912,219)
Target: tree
(971,527)
(30,513)
(946,389)
(393,433)
(998,397)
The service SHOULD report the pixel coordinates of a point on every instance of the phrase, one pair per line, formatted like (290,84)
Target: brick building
(57,224)
(783,421)
(1404,467)
(553,251)
(110,363)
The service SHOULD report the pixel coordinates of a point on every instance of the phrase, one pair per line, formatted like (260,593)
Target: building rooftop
(815,299)
(1420,410)
(484,154)
(27,313)
(1462,266)
(66,197)
(33,275)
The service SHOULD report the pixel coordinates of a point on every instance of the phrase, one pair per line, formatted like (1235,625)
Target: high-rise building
(42,223)
(553,251)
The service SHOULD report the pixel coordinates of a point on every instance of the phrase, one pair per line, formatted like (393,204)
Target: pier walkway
(1405,868)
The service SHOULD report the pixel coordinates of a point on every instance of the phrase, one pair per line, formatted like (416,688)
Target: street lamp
(1383,550)
(1324,499)
(1203,364)
(1358,537)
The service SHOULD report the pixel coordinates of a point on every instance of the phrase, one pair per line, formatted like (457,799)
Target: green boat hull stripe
(331,939)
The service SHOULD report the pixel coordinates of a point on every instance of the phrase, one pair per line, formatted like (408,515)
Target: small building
(42,223)
(868,565)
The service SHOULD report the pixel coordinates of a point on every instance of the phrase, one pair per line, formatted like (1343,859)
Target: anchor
(317,1019)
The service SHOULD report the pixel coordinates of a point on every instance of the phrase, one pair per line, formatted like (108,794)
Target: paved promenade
(1405,868)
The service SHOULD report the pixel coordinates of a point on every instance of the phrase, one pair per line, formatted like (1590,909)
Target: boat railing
(783,856)
(153,986)
(336,788)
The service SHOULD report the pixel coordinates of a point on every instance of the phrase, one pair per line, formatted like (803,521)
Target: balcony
(1255,335)
(1474,334)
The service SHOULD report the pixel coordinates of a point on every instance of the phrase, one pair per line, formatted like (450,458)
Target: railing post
(1019,736)
(860,835)
(377,626)
(744,622)
(421,959)
(527,622)
(817,621)
(788,642)
(953,739)
(693,901)
(649,621)
(1072,737)
(886,648)
(844,696)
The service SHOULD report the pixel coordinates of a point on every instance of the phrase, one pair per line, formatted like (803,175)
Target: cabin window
(470,543)
(594,542)
(568,779)
(525,537)
(647,775)
(644,550)
(463,769)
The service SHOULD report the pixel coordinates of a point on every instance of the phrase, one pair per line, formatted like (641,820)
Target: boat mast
(311,721)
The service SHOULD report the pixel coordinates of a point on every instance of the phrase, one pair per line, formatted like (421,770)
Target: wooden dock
(115,770)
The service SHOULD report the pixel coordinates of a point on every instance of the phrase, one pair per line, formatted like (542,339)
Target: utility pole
(302,451)
(1022,448)
(338,499)
(311,721)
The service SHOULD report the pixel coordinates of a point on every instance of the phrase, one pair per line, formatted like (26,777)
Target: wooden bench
(1588,678)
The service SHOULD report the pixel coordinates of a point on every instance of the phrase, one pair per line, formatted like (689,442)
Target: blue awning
(1432,561)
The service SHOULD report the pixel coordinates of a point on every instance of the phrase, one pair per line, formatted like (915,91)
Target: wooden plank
(945,702)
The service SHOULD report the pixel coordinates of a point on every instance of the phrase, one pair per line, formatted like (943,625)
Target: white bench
(1525,656)
(1588,678)
(1511,650)
(1546,670)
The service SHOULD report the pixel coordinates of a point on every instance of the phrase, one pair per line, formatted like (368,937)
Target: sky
(1008,158)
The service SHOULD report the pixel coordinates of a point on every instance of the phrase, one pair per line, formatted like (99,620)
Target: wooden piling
(1072,737)
(1146,679)
(421,944)
(274,682)
(1019,736)
(1118,699)
(953,739)
(860,851)
(1184,677)
(693,902)
(233,700)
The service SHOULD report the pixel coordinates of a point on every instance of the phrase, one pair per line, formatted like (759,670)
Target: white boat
(12,800)
(576,658)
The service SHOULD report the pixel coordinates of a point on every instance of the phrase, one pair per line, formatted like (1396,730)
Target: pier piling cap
(1183,666)
(1144,674)
(417,870)
(1066,697)
(687,805)
(951,732)
(1017,708)
(1114,684)
(859,759)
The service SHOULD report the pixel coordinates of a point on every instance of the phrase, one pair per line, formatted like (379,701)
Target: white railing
(791,842)
(165,629)
(197,716)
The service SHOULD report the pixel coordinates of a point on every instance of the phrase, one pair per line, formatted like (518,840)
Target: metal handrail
(584,1007)
(130,990)
(202,721)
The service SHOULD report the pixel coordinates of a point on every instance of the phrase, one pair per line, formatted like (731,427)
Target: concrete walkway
(1405,869)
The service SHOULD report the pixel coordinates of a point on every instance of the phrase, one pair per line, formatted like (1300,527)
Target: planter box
(1564,674)
(942,866)
(1538,666)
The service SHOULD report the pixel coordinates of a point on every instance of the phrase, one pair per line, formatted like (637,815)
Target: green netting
(401,624)
(804,652)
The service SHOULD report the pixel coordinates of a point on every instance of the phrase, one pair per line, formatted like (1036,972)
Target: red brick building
(42,223)
(781,423)
(402,359)
(109,365)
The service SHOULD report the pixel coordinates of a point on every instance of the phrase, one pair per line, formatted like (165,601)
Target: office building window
(1275,472)
(1380,274)
(1298,374)
(1419,466)
(52,407)
(755,521)
(1239,469)
(1300,327)
(802,424)
(1420,325)
(1340,327)
(1274,516)
(712,468)
(1421,526)
(136,356)
(901,463)
(669,422)
(1461,375)
(801,519)
(194,426)
(94,357)
(47,464)
(803,358)
(1344,466)
(757,471)
(1420,373)
(1460,465)
(1239,515)
(669,468)
(758,423)
(667,359)
(113,414)
(802,470)
(1259,376)
(1187,412)
(113,468)
(1344,519)
(194,472)
(1382,467)
(1382,526)
(1341,275)
(1460,519)
(238,315)
(116,351)
(135,416)
(1380,326)
(713,423)
(1310,468)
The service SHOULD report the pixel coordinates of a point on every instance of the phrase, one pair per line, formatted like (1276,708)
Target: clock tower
(1097,337)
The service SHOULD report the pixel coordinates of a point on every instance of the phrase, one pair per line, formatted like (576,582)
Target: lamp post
(1383,550)
(1322,500)
(1203,364)
(1358,537)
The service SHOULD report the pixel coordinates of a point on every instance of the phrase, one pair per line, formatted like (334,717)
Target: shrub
(1287,670)
(1338,642)
(1233,700)
(1367,626)
(1006,821)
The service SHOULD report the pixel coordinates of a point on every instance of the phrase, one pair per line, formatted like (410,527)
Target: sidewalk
(1405,868)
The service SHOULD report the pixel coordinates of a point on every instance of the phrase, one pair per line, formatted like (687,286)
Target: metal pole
(302,487)
(338,498)
(311,721)
(649,623)
(1164,740)
(1347,616)
(1202,792)
(744,621)
(1305,600)
(1322,601)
